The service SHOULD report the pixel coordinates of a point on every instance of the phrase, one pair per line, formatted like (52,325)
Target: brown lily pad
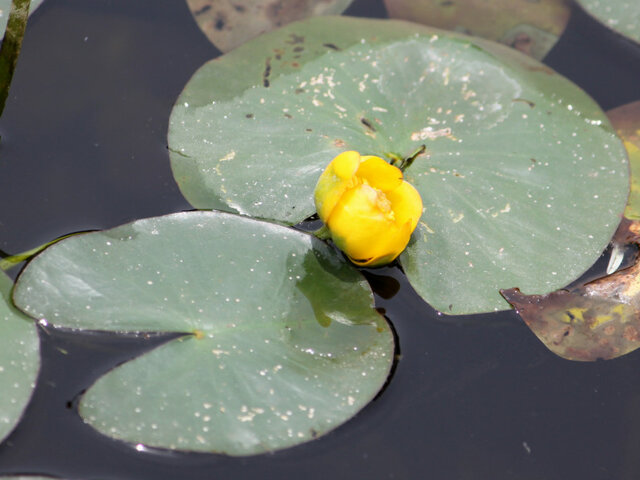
(599,320)
(531,27)
(230,23)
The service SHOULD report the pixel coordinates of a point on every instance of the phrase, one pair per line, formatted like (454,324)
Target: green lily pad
(622,16)
(626,120)
(286,343)
(19,359)
(533,27)
(229,23)
(523,180)
(5,8)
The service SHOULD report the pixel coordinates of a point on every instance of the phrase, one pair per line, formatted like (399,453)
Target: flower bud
(368,208)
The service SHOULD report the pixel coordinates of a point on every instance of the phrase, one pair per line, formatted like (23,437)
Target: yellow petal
(346,164)
(388,248)
(379,174)
(363,226)
(334,181)
(406,204)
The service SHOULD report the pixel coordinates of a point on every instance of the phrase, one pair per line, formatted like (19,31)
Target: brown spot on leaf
(540,68)
(524,100)
(202,10)
(295,39)
(331,46)
(267,72)
(631,333)
(523,43)
(367,124)
(220,21)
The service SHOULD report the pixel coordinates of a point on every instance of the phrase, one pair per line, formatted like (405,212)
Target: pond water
(472,397)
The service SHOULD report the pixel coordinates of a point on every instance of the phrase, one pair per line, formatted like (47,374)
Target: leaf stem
(323,233)
(11,45)
(406,163)
(10,261)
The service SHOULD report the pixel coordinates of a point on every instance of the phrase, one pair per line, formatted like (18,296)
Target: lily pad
(523,179)
(599,320)
(622,16)
(19,359)
(626,121)
(230,23)
(5,8)
(531,27)
(286,343)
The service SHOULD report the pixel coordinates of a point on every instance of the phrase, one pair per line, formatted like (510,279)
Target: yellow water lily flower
(368,208)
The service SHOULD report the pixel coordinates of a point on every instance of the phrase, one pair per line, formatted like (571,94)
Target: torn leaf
(599,320)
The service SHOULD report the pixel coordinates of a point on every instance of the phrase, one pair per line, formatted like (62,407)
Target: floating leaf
(600,320)
(230,23)
(531,27)
(626,121)
(622,16)
(19,359)
(523,181)
(286,342)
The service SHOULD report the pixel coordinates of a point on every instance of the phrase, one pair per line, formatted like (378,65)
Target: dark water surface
(476,397)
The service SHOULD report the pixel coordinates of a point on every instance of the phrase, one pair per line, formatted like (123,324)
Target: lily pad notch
(287,343)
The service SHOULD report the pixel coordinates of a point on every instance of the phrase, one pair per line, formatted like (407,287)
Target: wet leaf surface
(531,27)
(285,344)
(230,23)
(622,16)
(19,359)
(626,121)
(599,320)
(504,137)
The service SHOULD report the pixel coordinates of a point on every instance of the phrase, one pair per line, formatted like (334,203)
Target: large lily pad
(623,16)
(523,181)
(533,27)
(286,343)
(19,359)
(229,23)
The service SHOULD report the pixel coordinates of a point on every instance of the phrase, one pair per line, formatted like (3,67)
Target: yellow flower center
(382,203)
